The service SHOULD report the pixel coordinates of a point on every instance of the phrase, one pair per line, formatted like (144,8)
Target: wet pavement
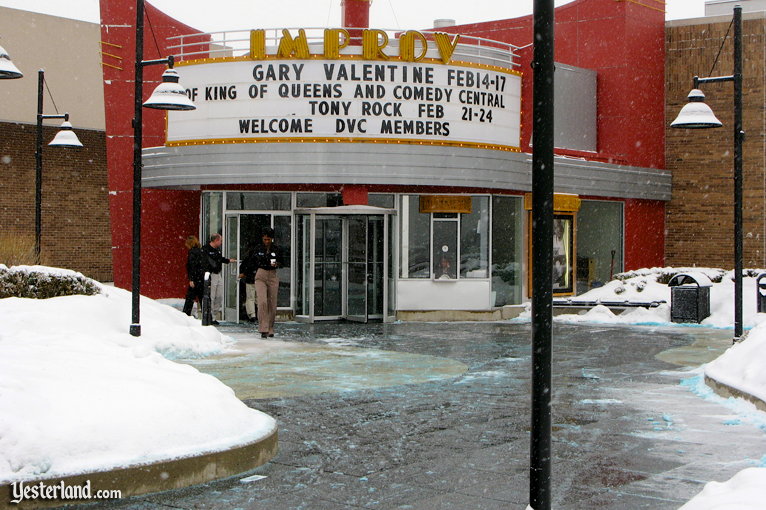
(436,416)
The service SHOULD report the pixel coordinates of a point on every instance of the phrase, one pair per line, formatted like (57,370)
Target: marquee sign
(351,99)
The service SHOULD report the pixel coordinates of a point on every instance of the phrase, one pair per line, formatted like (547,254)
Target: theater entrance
(344,266)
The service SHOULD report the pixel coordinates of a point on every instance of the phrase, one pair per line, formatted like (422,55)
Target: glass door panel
(283,239)
(357,269)
(230,271)
(375,266)
(303,273)
(250,233)
(328,268)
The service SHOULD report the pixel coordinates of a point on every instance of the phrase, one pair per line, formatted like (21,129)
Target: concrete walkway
(436,416)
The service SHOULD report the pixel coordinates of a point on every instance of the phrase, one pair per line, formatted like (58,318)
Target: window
(416,240)
(474,240)
(319,199)
(249,201)
(599,243)
(507,250)
(212,215)
(381,200)
(445,245)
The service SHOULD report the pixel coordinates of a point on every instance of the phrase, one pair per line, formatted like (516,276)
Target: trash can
(760,292)
(689,297)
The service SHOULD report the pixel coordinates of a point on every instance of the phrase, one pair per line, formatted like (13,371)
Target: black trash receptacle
(760,292)
(689,297)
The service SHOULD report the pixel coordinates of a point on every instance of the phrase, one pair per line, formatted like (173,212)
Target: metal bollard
(760,292)
(207,313)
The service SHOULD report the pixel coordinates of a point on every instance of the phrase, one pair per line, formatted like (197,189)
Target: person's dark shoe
(271,334)
(264,335)
(214,323)
(252,319)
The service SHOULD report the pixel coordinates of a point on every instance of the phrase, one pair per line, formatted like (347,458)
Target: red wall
(167,216)
(625,43)
(644,234)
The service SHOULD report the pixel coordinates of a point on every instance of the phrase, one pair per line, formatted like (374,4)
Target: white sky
(245,14)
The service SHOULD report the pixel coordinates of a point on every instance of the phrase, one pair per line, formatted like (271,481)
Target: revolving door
(344,264)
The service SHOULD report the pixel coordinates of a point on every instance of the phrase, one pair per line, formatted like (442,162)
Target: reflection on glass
(212,215)
(283,239)
(375,262)
(416,229)
(474,240)
(302,290)
(256,201)
(445,249)
(507,250)
(328,275)
(563,247)
(599,243)
(319,199)
(381,200)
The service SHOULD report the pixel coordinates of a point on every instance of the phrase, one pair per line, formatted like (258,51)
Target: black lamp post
(168,95)
(64,138)
(698,115)
(542,255)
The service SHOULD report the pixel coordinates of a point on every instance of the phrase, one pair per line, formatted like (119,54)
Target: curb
(725,391)
(162,476)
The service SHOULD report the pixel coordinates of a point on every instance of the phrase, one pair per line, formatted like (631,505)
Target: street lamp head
(66,137)
(8,71)
(696,114)
(170,95)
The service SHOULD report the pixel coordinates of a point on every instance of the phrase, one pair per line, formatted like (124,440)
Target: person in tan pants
(268,257)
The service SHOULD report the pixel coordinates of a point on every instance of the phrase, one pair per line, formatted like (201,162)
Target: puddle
(258,369)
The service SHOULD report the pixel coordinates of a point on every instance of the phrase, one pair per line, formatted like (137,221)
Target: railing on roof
(236,43)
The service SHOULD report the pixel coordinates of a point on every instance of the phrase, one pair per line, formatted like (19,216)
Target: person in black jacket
(196,266)
(267,258)
(247,272)
(216,261)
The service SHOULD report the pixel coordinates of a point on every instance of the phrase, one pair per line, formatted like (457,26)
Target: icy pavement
(630,430)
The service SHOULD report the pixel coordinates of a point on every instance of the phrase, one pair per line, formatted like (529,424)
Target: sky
(223,15)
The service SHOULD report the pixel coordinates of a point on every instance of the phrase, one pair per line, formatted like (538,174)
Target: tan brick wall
(75,212)
(699,218)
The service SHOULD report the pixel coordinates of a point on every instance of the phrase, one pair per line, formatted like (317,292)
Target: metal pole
(738,138)
(39,166)
(542,255)
(135,326)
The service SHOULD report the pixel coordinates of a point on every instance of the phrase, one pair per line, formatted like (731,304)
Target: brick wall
(699,218)
(75,210)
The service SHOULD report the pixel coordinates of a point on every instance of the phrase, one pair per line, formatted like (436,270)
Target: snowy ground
(741,367)
(79,394)
(74,385)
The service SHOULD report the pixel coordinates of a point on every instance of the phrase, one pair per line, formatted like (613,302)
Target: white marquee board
(342,100)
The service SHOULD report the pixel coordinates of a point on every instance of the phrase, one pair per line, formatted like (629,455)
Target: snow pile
(650,285)
(742,365)
(79,394)
(744,491)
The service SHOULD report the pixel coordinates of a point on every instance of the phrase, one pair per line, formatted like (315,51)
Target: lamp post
(698,115)
(8,71)
(168,95)
(64,138)
(542,255)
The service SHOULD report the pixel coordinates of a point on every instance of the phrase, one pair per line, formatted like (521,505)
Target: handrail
(234,43)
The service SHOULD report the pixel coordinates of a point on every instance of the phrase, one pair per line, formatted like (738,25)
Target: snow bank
(742,365)
(744,491)
(79,394)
